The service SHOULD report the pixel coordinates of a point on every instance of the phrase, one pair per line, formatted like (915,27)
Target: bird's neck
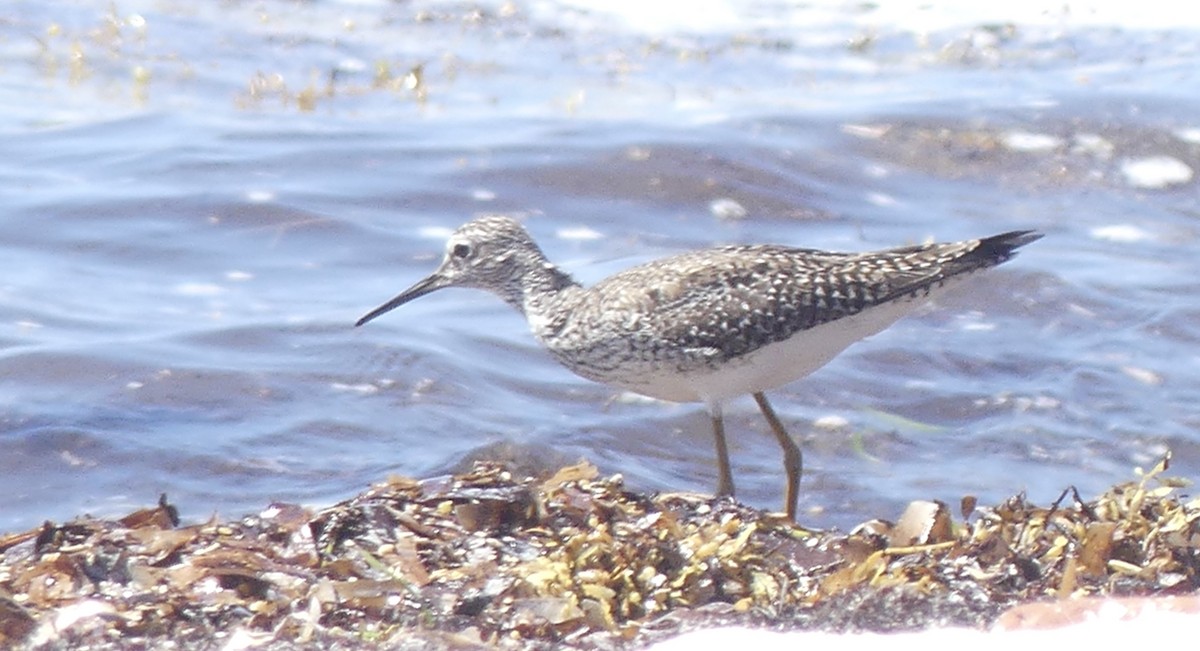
(539,297)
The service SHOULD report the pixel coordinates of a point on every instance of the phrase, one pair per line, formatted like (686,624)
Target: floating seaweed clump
(489,560)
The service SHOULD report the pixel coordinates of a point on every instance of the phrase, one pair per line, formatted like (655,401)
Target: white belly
(772,365)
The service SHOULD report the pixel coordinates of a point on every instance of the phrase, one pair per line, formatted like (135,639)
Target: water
(199,200)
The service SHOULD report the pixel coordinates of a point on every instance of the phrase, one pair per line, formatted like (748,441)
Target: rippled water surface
(199,199)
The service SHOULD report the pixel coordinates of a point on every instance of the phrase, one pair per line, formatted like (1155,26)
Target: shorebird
(709,325)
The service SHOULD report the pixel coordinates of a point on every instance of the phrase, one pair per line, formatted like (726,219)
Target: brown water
(197,201)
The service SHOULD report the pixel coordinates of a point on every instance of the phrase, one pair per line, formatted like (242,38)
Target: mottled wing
(729,301)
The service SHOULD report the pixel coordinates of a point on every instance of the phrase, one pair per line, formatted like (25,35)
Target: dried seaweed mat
(489,560)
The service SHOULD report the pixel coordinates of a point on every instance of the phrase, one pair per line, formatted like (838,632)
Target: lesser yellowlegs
(708,325)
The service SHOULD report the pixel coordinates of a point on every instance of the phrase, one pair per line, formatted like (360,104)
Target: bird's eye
(461,250)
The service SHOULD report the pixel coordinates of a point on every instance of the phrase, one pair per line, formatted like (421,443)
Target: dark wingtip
(1004,245)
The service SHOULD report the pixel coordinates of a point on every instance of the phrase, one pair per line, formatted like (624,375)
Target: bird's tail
(1002,247)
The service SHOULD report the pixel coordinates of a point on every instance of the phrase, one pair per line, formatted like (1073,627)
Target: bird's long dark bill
(416,291)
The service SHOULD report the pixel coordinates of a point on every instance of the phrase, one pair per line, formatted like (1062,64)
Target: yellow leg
(724,473)
(793,459)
